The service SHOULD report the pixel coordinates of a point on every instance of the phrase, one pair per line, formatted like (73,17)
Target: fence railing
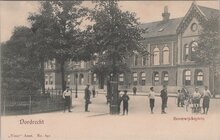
(16,104)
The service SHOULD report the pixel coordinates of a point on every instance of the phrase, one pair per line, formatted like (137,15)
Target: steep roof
(202,13)
(161,28)
(170,27)
(209,12)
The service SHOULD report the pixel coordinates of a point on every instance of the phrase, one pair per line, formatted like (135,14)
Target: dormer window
(147,30)
(161,29)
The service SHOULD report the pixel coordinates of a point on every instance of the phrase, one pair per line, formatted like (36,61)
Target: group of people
(67,97)
(124,98)
(164,98)
(186,98)
(183,98)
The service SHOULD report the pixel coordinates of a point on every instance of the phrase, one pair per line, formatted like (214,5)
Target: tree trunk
(63,83)
(42,76)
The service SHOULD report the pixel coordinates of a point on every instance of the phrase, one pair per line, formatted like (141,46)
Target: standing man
(67,97)
(87,98)
(164,97)
(152,99)
(93,91)
(134,90)
(125,99)
(206,99)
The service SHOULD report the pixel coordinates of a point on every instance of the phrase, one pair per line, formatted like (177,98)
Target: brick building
(171,41)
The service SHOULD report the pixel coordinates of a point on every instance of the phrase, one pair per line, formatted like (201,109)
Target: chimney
(166,14)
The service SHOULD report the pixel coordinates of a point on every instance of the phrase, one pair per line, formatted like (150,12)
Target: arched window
(135,60)
(135,78)
(165,78)
(121,79)
(187,77)
(194,46)
(143,78)
(166,55)
(186,47)
(156,60)
(81,79)
(94,78)
(156,78)
(144,61)
(199,77)
(68,79)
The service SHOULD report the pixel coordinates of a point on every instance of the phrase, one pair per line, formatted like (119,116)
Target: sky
(15,13)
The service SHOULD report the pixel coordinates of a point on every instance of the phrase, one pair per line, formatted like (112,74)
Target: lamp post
(113,93)
(89,77)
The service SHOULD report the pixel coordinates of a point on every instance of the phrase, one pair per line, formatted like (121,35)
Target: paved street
(99,125)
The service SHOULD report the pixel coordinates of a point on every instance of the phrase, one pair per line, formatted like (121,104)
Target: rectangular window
(46,80)
(121,79)
(135,78)
(94,78)
(143,78)
(187,78)
(68,79)
(144,61)
(135,60)
(156,78)
(51,80)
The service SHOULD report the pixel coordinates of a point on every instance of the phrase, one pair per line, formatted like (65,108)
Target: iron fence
(17,104)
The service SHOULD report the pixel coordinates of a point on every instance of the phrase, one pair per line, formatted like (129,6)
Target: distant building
(172,43)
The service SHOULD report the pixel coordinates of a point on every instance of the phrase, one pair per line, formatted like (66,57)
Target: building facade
(172,44)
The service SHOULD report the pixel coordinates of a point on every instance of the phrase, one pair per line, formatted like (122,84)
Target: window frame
(155,52)
(135,82)
(187,82)
(166,50)
(143,78)
(199,73)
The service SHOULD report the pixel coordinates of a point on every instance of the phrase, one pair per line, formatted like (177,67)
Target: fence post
(48,104)
(56,93)
(29,104)
(4,105)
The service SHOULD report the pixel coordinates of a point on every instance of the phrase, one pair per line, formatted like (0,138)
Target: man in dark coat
(134,90)
(125,99)
(164,97)
(87,98)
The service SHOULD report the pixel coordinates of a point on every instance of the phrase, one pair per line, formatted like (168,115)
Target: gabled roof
(209,12)
(202,14)
(170,27)
(161,28)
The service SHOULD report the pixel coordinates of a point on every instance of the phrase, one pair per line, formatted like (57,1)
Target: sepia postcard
(110,70)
